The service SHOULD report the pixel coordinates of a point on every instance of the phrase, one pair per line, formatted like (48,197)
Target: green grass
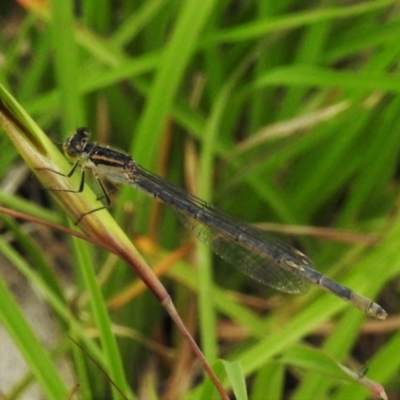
(272,111)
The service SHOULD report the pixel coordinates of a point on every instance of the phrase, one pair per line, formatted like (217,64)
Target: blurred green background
(284,114)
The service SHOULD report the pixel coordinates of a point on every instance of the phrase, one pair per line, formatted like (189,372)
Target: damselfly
(247,248)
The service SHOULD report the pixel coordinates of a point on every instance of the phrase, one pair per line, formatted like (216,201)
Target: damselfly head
(74,147)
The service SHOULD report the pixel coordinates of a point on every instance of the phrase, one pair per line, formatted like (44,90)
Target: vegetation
(284,114)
